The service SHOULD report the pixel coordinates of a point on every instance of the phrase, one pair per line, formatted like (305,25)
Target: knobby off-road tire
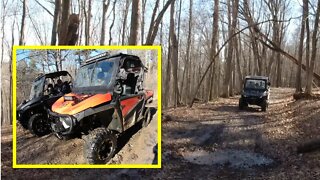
(100,146)
(25,125)
(241,104)
(147,117)
(264,106)
(38,125)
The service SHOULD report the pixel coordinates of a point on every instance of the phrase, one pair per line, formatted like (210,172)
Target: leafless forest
(208,47)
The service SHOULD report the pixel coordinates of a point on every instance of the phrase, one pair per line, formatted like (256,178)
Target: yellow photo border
(14,104)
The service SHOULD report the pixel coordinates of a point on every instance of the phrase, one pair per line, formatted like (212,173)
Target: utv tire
(100,146)
(38,125)
(25,125)
(264,106)
(241,104)
(147,117)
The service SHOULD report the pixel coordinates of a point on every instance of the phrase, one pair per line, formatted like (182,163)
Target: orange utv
(107,98)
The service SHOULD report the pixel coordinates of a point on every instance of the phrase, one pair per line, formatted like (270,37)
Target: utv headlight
(66,121)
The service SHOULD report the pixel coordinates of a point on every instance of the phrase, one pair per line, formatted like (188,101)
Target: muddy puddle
(238,159)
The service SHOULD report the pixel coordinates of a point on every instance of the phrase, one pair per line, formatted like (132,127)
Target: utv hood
(27,104)
(72,103)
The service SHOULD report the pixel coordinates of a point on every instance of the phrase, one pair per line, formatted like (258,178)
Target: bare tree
(143,13)
(57,6)
(300,53)
(314,51)
(174,56)
(187,73)
(228,68)
(124,24)
(154,25)
(23,21)
(214,42)
(63,28)
(87,18)
(135,22)
(113,19)
(105,6)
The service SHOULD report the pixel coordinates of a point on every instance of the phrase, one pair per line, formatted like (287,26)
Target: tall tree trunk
(23,21)
(124,24)
(153,16)
(57,6)
(179,46)
(113,19)
(238,49)
(63,27)
(144,2)
(105,6)
(87,18)
(155,25)
(9,108)
(300,53)
(188,59)
(228,67)
(168,76)
(161,29)
(174,56)
(307,37)
(314,51)
(135,23)
(214,42)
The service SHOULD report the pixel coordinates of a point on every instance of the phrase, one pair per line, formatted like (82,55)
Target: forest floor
(135,146)
(216,140)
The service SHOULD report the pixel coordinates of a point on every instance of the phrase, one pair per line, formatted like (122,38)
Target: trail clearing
(217,140)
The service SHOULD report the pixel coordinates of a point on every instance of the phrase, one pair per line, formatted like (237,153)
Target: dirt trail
(217,140)
(135,145)
(230,143)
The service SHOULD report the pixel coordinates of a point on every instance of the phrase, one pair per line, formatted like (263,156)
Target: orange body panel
(128,104)
(82,102)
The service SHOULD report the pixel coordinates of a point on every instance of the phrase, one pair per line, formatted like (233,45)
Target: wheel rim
(105,149)
(39,125)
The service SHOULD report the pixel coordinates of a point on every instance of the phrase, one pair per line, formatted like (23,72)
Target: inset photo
(87,107)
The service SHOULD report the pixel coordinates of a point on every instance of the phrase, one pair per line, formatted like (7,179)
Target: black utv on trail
(45,90)
(255,92)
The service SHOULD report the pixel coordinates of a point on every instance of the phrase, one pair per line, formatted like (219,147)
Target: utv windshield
(96,74)
(37,88)
(255,84)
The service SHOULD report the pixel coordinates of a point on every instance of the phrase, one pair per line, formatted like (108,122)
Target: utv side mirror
(269,84)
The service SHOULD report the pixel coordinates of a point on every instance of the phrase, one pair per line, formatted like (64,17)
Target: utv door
(131,106)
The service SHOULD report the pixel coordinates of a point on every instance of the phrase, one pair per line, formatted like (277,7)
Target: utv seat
(129,85)
(65,87)
(50,89)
